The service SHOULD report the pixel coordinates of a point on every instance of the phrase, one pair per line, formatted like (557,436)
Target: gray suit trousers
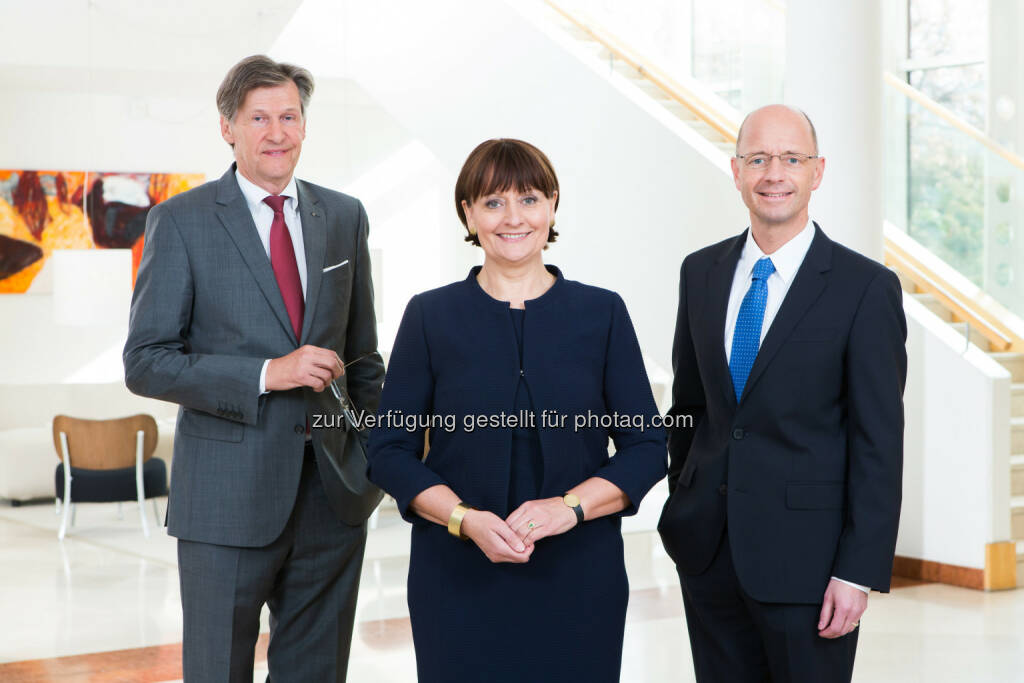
(308,577)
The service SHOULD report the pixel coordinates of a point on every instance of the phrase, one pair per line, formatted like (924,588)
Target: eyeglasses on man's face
(761,160)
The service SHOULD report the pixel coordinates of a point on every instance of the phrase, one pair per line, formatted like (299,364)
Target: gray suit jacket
(206,314)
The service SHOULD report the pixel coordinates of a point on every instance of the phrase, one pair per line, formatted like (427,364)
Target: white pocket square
(336,265)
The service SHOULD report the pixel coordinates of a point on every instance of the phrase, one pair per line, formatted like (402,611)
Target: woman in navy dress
(516,571)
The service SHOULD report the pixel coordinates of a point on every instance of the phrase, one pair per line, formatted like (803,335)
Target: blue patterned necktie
(746,337)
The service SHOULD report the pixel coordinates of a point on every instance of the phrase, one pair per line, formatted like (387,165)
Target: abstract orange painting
(41,211)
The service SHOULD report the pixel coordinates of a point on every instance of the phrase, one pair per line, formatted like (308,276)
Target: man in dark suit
(252,291)
(785,493)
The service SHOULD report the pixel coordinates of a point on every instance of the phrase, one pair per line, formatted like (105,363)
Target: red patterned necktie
(282,260)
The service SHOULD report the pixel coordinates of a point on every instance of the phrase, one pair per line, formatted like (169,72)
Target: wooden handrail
(674,90)
(998,335)
(952,119)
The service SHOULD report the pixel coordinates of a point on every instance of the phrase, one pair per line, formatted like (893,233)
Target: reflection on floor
(103,606)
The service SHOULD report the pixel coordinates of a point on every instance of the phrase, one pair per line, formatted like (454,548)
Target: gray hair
(260,71)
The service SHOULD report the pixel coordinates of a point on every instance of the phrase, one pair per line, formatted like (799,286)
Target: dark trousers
(736,639)
(309,578)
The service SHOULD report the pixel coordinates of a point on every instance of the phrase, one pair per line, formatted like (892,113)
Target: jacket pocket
(206,426)
(815,495)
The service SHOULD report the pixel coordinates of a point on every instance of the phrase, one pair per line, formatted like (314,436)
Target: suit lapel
(314,239)
(719,285)
(234,214)
(809,283)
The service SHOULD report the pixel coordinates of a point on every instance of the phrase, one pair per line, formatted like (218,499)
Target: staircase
(702,111)
(1014,363)
(687,101)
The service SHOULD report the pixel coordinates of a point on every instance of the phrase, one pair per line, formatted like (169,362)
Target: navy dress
(561,615)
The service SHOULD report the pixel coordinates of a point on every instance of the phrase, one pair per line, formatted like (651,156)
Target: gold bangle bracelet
(455,521)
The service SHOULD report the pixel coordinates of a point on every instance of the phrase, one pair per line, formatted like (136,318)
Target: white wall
(956,487)
(639,190)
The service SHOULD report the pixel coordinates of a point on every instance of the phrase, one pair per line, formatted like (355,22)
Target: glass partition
(962,196)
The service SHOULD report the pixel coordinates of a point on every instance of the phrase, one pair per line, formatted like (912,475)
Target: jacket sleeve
(364,378)
(876,373)
(395,454)
(158,362)
(639,460)
(687,389)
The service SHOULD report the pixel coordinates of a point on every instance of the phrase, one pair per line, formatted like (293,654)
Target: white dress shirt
(263,217)
(787,260)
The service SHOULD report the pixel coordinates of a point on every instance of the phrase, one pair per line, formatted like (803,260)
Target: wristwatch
(573,501)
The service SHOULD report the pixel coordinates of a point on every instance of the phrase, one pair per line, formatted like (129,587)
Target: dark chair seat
(110,461)
(111,486)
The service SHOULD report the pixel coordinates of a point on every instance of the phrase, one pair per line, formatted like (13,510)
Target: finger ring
(530,524)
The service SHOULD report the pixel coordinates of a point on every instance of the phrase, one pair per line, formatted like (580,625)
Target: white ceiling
(168,49)
(111,45)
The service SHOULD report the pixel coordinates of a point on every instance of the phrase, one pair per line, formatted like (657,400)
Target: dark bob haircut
(498,165)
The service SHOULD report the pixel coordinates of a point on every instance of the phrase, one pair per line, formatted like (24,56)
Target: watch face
(571,499)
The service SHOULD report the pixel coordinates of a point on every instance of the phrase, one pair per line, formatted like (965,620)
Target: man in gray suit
(253,292)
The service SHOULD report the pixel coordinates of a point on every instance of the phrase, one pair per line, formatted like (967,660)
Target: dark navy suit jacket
(806,468)
(456,355)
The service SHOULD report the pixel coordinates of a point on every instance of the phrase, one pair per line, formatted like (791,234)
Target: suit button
(737,434)
(299,429)
(723,489)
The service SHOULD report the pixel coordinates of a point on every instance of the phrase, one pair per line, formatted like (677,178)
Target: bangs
(509,166)
(500,165)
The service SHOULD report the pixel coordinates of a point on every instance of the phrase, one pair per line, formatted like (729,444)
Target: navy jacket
(456,355)
(806,469)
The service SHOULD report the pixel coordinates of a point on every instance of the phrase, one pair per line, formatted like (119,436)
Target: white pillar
(834,73)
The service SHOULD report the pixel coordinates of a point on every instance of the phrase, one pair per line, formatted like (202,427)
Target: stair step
(679,111)
(1017,434)
(1017,519)
(628,70)
(1012,361)
(1020,564)
(575,31)
(651,90)
(1017,475)
(707,131)
(974,335)
(1017,399)
(934,305)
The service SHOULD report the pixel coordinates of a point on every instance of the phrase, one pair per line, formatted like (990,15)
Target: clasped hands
(513,539)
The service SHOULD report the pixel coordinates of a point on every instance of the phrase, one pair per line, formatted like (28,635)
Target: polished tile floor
(107,589)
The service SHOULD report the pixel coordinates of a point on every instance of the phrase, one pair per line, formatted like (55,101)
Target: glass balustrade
(956,193)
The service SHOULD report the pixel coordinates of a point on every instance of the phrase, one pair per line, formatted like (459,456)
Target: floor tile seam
(86,541)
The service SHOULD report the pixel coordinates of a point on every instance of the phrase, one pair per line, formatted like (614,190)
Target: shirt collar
(254,194)
(786,259)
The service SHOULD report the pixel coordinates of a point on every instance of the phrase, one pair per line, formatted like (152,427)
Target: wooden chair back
(104,444)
